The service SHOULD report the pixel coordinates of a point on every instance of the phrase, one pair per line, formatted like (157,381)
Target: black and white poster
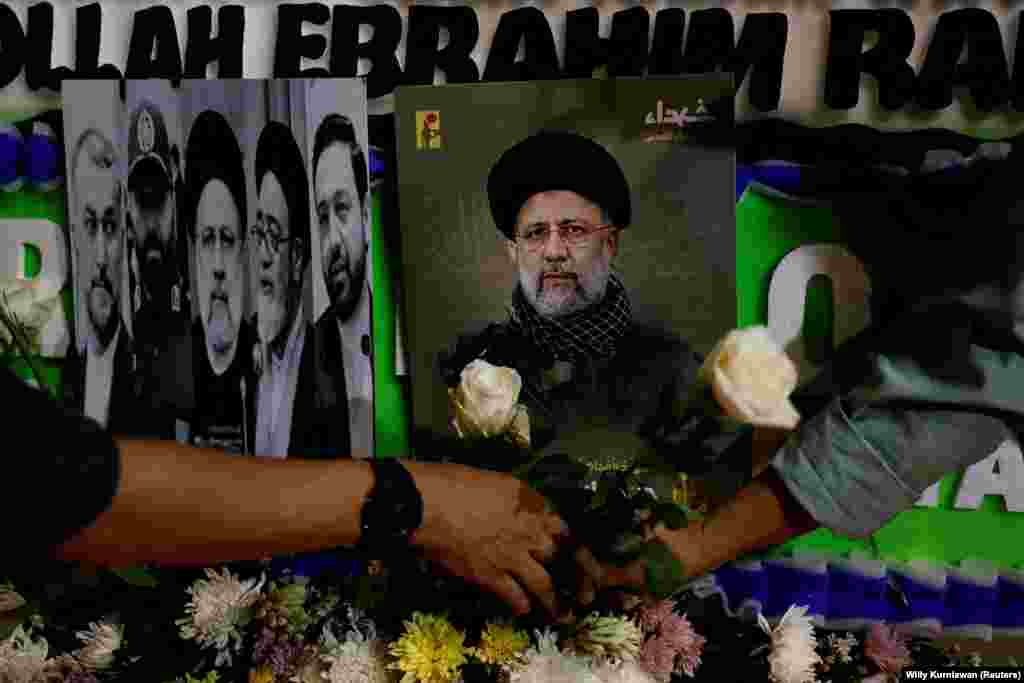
(199,241)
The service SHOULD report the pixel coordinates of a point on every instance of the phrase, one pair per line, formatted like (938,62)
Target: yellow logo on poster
(428,130)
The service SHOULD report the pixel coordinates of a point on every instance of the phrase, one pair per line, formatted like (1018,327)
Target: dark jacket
(224,408)
(126,415)
(326,406)
(599,409)
(319,428)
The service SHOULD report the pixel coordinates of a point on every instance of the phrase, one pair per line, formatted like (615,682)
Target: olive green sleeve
(871,454)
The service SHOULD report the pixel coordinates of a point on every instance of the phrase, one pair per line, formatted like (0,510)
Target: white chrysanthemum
(793,655)
(22,660)
(608,638)
(545,663)
(99,644)
(625,672)
(361,657)
(220,606)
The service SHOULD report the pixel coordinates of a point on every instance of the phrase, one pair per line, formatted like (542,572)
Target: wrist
(431,488)
(689,548)
(391,511)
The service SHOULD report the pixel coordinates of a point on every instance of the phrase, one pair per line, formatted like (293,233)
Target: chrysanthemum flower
(360,658)
(220,607)
(99,644)
(22,659)
(840,648)
(624,672)
(793,656)
(887,647)
(430,650)
(672,644)
(611,638)
(502,644)
(546,663)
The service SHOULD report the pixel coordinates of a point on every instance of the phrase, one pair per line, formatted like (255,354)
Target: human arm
(848,469)
(90,497)
(179,505)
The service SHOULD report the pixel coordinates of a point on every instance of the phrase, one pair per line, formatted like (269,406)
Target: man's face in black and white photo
(100,236)
(563,252)
(219,270)
(342,221)
(151,201)
(277,260)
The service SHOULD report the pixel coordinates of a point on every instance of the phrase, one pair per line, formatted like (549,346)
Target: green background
(766,230)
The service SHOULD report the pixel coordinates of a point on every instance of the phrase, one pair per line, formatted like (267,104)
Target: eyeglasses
(268,238)
(571,234)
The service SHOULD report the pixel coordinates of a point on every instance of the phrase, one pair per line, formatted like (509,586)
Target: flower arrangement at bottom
(294,629)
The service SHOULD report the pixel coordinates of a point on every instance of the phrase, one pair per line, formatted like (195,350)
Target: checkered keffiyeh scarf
(594,331)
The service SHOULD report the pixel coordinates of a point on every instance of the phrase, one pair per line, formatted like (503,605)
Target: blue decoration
(12,150)
(43,159)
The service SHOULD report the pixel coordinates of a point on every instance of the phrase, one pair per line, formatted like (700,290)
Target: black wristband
(392,511)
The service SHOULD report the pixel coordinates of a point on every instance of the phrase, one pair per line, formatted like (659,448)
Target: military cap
(212,153)
(557,160)
(149,155)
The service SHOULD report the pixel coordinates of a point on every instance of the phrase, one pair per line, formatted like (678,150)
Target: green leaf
(674,516)
(664,573)
(136,576)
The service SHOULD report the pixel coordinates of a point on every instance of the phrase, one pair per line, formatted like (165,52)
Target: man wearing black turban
(289,408)
(223,350)
(596,383)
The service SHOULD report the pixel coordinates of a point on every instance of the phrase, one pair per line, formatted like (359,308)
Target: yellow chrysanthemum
(430,651)
(501,644)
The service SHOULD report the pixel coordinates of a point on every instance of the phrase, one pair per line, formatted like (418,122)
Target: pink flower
(671,645)
(887,647)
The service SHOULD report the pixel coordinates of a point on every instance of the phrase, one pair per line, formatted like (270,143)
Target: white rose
(486,402)
(752,378)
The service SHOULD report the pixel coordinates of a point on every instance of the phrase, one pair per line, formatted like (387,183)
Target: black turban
(212,153)
(278,153)
(557,160)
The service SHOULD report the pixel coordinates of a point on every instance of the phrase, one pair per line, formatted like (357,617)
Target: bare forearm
(763,514)
(181,505)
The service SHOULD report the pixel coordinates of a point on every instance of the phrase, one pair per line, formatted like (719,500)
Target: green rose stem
(19,340)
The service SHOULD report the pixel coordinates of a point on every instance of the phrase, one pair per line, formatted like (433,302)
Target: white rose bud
(486,403)
(752,378)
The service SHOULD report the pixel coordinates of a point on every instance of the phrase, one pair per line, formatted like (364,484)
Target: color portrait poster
(579,232)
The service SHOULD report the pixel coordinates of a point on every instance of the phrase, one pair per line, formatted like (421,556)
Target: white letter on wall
(787,298)
(982,479)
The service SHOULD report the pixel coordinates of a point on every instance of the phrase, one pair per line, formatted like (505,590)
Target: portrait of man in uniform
(159,257)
